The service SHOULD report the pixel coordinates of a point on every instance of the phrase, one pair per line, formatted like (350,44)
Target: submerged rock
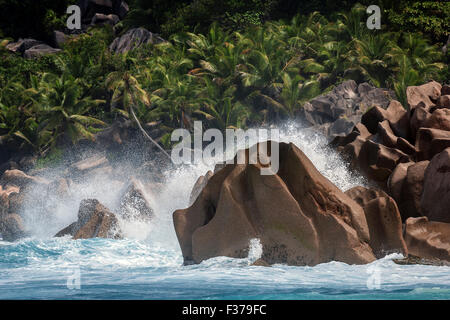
(94,220)
(300,217)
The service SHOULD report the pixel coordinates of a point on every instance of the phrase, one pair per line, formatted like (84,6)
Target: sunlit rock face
(300,217)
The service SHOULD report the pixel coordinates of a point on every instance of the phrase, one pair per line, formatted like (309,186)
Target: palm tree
(127,90)
(62,111)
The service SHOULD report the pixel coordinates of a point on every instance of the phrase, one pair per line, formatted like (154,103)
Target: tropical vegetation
(226,77)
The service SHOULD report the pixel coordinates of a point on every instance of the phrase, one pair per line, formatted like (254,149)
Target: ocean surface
(147,264)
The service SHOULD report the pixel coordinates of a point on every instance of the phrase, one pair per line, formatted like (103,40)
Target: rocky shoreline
(300,217)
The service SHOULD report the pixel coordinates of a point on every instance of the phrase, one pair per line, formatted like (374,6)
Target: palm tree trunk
(146,134)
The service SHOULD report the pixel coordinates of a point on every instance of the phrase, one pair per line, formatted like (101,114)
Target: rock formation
(394,147)
(337,112)
(300,217)
(94,220)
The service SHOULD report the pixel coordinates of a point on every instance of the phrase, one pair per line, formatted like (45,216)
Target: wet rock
(11,227)
(135,203)
(300,217)
(260,263)
(94,220)
(20,179)
(435,200)
(412,260)
(428,239)
(134,39)
(90,163)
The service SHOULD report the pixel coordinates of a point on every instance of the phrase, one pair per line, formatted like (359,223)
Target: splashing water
(147,264)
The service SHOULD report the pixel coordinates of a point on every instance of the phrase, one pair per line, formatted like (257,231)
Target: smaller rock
(22,45)
(94,220)
(412,260)
(100,18)
(133,39)
(428,239)
(423,94)
(260,263)
(59,38)
(135,203)
(90,163)
(11,227)
(39,51)
(20,179)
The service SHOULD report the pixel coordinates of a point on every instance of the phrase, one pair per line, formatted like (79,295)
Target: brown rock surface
(423,94)
(428,239)
(383,219)
(94,220)
(435,200)
(11,227)
(300,217)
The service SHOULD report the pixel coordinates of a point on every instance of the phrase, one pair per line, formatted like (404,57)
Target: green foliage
(430,17)
(227,77)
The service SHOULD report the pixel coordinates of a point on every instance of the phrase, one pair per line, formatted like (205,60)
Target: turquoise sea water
(148,263)
(134,269)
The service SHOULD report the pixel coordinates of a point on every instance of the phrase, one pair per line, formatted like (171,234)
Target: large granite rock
(94,221)
(300,217)
(134,39)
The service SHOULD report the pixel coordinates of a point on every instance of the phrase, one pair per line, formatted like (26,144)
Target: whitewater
(147,264)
